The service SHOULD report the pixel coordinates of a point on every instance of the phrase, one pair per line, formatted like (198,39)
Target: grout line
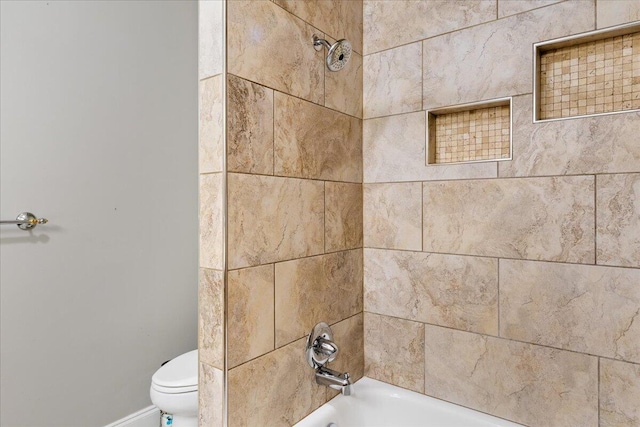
(295,96)
(464,28)
(287,177)
(274,306)
(484,178)
(497,10)
(324,218)
(298,258)
(498,262)
(595,219)
(498,257)
(434,325)
(273,136)
(599,391)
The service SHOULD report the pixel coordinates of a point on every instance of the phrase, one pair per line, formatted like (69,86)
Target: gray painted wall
(99,134)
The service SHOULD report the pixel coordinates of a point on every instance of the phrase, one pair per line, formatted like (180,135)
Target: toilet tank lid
(179,372)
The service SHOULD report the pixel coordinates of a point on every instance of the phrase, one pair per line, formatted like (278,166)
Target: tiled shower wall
(513,287)
(294,176)
(211,170)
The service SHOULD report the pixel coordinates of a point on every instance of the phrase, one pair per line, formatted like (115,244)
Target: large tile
(250,313)
(343,89)
(211,139)
(548,219)
(449,290)
(614,12)
(277,389)
(392,81)
(388,24)
(325,288)
(210,396)
(495,59)
(529,384)
(338,18)
(273,219)
(619,394)
(211,221)
(394,351)
(393,216)
(511,7)
(394,150)
(210,29)
(343,216)
(315,142)
(618,219)
(570,147)
(211,317)
(249,127)
(589,309)
(269,46)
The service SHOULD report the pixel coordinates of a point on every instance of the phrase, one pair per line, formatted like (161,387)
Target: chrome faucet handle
(320,348)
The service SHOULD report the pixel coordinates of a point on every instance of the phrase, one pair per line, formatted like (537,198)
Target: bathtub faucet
(335,380)
(321,350)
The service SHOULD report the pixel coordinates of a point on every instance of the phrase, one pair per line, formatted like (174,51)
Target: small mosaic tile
(480,134)
(601,76)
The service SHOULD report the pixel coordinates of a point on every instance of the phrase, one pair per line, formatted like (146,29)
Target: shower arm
(318,43)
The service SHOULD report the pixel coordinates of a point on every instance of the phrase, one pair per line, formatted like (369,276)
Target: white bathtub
(376,404)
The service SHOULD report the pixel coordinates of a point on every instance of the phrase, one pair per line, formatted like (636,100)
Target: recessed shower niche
(588,74)
(476,132)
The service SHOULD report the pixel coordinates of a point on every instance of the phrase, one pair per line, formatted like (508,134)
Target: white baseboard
(147,417)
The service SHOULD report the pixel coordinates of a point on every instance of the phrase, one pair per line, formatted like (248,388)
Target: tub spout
(333,379)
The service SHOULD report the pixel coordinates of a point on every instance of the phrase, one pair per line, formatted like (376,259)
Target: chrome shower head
(339,52)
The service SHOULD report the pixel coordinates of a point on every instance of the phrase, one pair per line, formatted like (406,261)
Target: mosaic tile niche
(598,76)
(471,133)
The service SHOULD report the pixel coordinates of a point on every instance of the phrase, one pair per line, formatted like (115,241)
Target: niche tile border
(571,41)
(432,159)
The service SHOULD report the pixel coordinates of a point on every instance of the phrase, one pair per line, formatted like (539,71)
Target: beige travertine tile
(393,216)
(315,142)
(272,47)
(325,288)
(343,216)
(529,384)
(389,24)
(619,394)
(392,81)
(249,127)
(211,223)
(548,219)
(511,7)
(614,12)
(394,149)
(277,389)
(394,351)
(339,18)
(461,67)
(273,219)
(618,219)
(210,396)
(211,140)
(211,49)
(343,89)
(456,291)
(578,146)
(211,317)
(250,313)
(589,309)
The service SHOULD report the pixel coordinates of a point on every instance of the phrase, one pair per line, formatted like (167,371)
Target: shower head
(339,52)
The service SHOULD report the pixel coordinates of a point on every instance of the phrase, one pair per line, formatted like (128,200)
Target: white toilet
(174,389)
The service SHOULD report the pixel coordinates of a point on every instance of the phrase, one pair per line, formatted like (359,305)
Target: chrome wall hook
(26,221)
